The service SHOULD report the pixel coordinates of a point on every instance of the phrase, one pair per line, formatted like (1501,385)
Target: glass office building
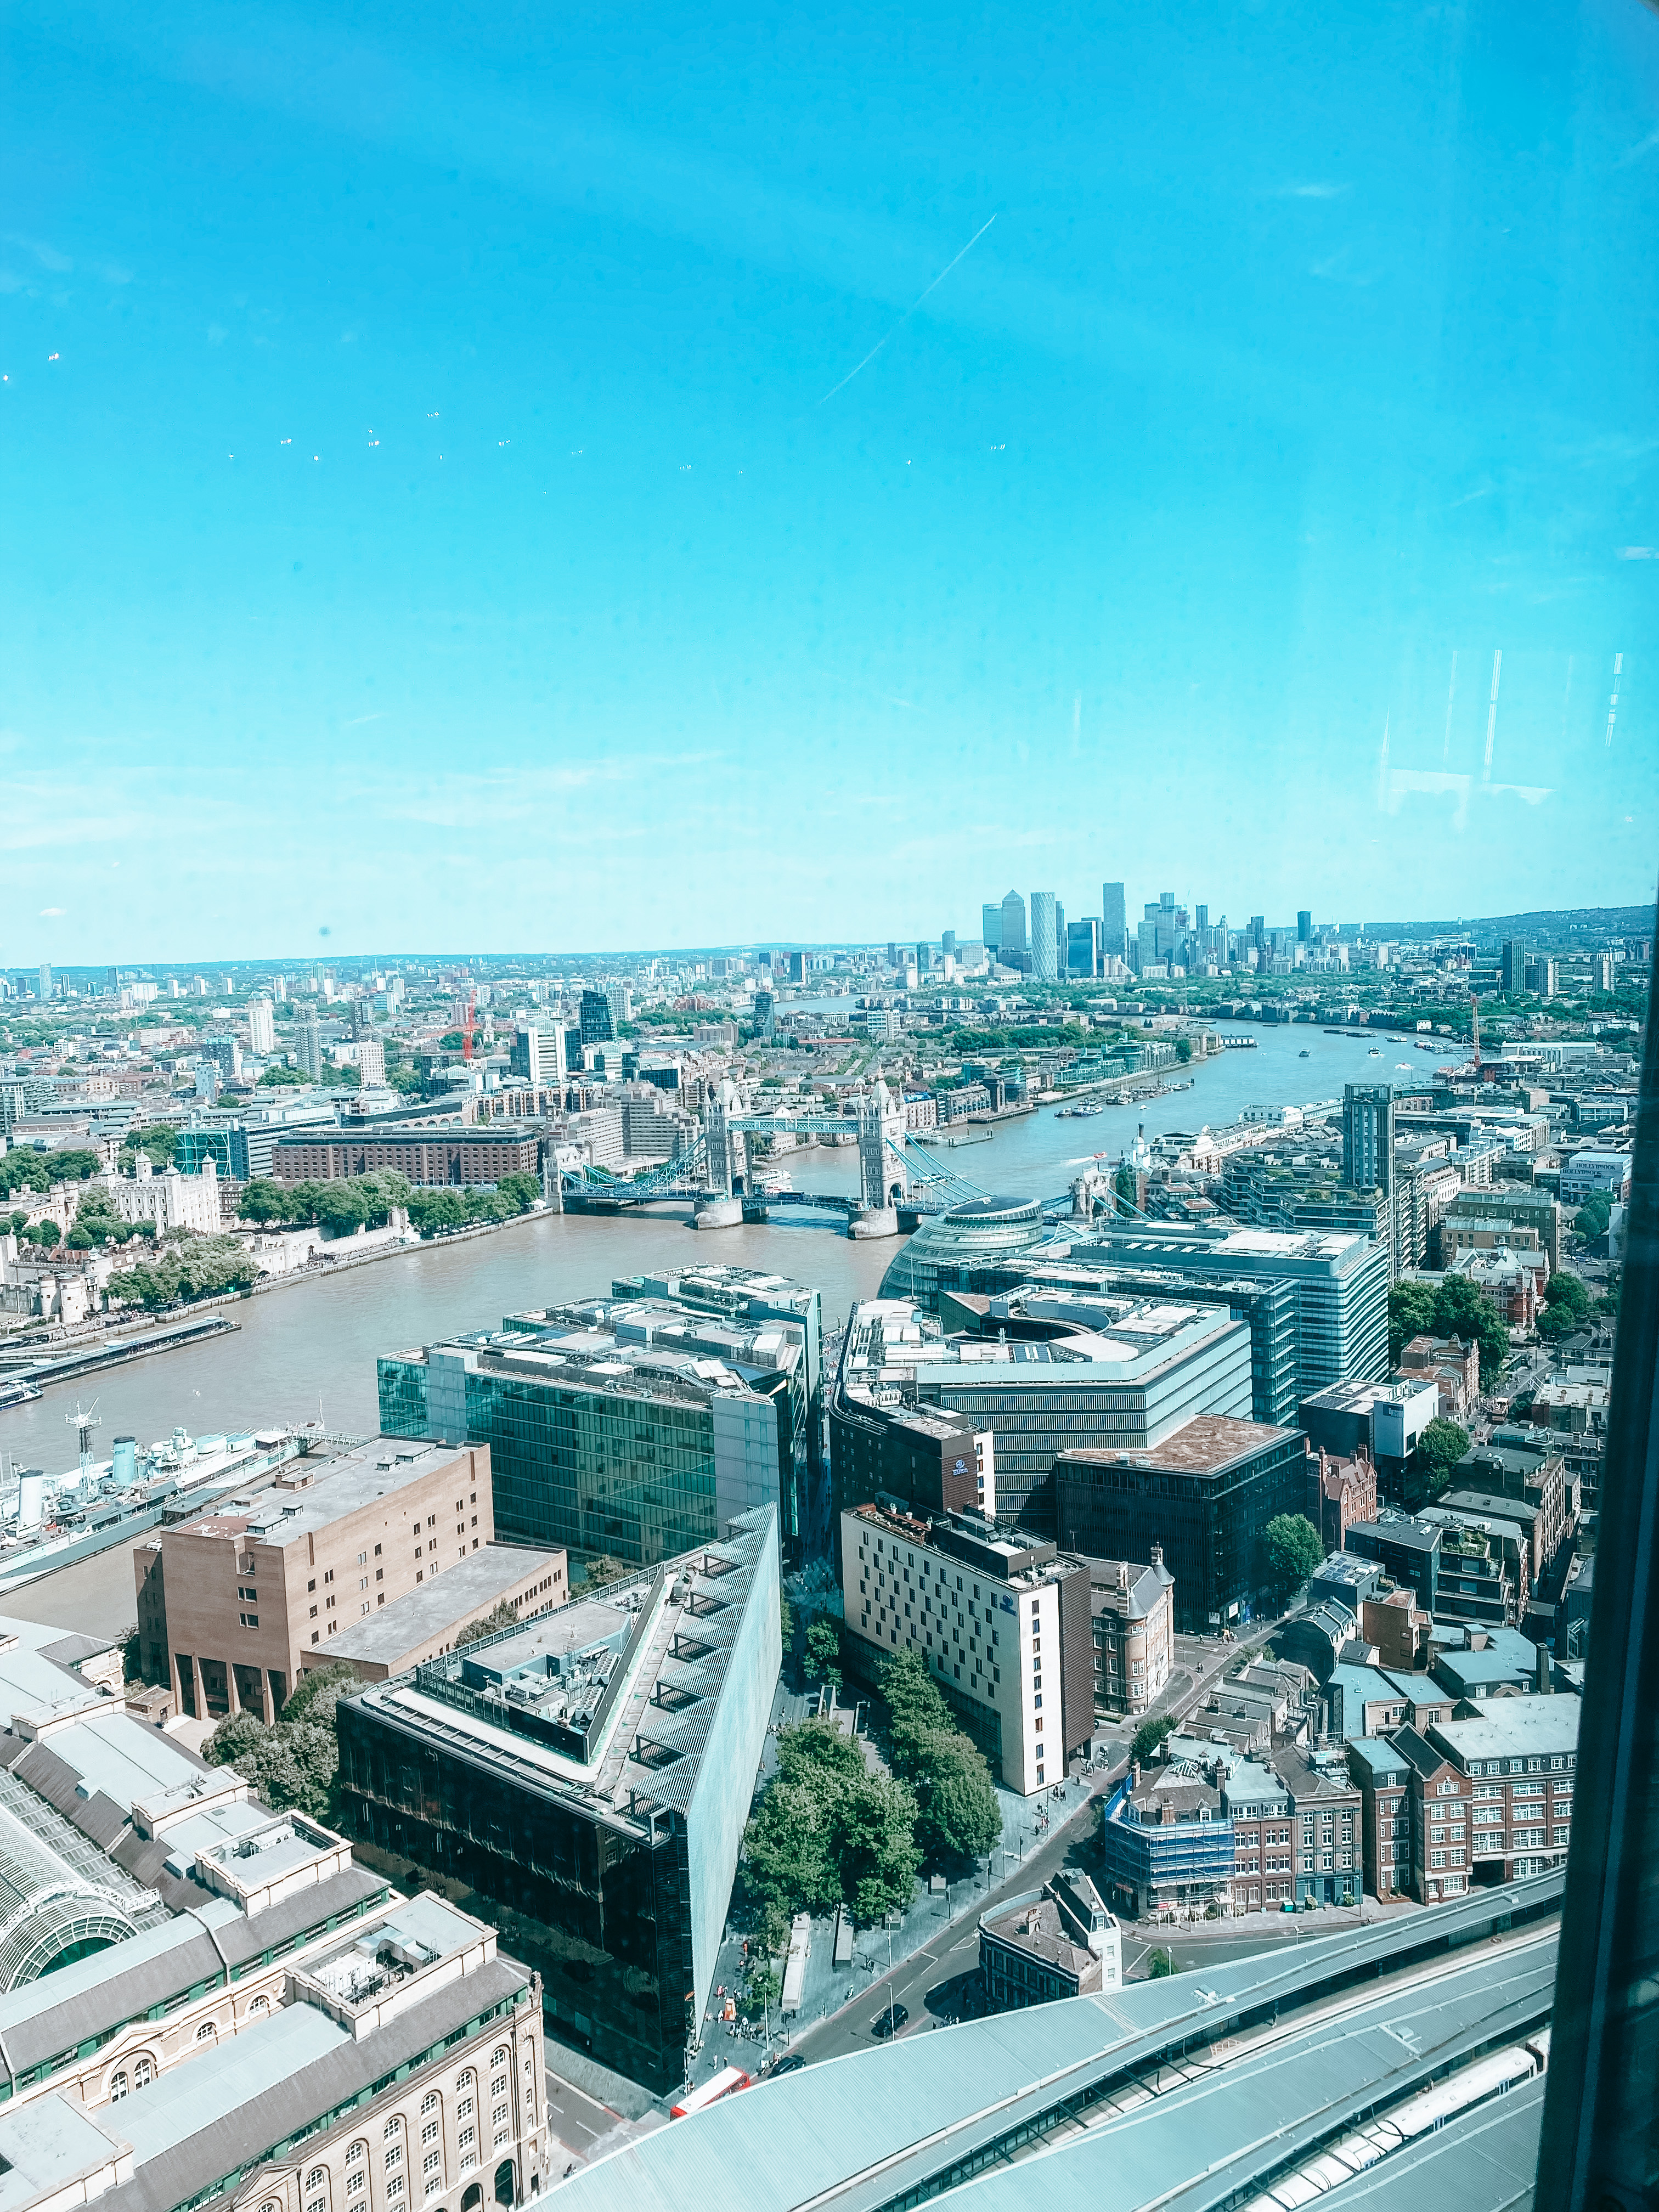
(586,1776)
(1340,1281)
(1126,1371)
(633,1427)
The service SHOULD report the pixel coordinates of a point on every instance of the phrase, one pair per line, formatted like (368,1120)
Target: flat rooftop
(646,1718)
(471,1586)
(1203,1445)
(309,1496)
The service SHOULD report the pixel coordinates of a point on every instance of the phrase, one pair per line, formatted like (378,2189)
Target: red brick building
(1339,1492)
(449,1154)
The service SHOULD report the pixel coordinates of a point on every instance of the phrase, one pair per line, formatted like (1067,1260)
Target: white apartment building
(1002,1623)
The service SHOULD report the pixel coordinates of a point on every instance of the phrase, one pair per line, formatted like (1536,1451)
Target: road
(931,1983)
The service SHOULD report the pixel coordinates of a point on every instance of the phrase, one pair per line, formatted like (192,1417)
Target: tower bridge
(898,1176)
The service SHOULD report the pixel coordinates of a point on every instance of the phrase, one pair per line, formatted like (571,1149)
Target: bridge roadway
(932,1188)
(1193,2093)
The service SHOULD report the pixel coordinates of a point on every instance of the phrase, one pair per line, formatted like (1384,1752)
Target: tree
(1462,1309)
(1443,1443)
(1411,1313)
(1556,1323)
(277,1077)
(1566,1290)
(1183,1049)
(823,1650)
(503,1614)
(342,1209)
(1159,1966)
(603,1568)
(265,1200)
(1148,1736)
(520,1191)
(763,1993)
(1293,1550)
(1127,1189)
(958,1816)
(74,1165)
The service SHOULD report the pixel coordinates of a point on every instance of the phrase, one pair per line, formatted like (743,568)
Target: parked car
(888,2020)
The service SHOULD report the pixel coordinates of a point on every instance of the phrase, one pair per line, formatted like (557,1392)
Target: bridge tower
(718,1208)
(883,1175)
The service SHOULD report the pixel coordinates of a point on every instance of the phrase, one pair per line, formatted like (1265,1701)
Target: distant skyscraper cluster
(1030,934)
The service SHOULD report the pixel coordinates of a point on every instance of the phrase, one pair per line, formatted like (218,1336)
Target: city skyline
(747,510)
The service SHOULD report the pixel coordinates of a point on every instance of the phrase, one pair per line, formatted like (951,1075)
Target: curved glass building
(938,1257)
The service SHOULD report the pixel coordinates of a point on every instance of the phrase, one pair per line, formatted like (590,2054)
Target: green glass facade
(597,1470)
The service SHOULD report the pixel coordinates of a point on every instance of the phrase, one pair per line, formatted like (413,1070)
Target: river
(310,1349)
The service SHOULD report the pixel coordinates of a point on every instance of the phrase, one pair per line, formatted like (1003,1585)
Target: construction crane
(84,1424)
(469,1018)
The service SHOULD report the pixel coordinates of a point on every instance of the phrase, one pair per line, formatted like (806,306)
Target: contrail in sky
(908,312)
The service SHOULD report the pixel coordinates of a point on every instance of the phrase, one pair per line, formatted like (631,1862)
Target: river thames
(310,1349)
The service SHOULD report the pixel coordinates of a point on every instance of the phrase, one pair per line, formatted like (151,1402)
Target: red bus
(725,2083)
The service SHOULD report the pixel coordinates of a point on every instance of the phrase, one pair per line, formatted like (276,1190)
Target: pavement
(934,1961)
(928,1959)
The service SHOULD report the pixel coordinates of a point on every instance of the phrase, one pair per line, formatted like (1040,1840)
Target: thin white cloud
(1638,552)
(1338,268)
(1317,191)
(47,256)
(49,913)
(1643,146)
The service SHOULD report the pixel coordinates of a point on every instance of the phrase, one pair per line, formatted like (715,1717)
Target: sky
(508,478)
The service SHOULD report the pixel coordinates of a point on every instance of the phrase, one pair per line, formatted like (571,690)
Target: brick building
(1133,1619)
(1455,1365)
(1382,1775)
(229,1602)
(430,1155)
(1339,1492)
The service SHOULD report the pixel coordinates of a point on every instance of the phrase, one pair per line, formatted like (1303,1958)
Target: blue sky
(437,510)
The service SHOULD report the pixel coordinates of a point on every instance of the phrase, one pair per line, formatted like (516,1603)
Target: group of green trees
(97,1224)
(829,1831)
(296,1763)
(1568,1304)
(27,1232)
(341,1207)
(195,1267)
(957,1816)
(159,1143)
(24,1169)
(1593,1216)
(362,1201)
(1453,1307)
